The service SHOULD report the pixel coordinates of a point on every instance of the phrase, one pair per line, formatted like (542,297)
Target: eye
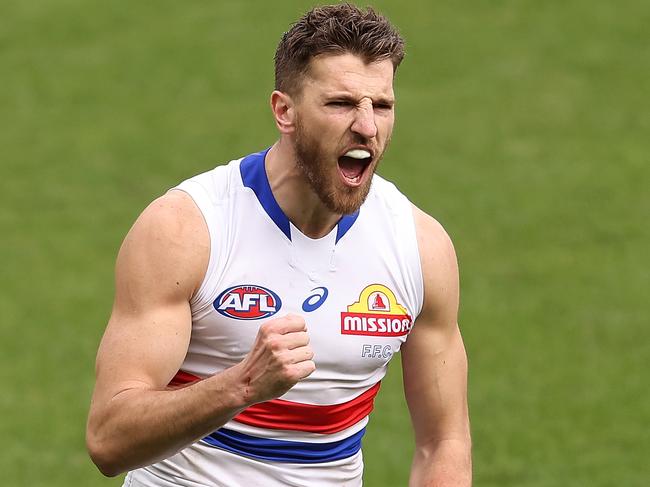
(383,106)
(338,103)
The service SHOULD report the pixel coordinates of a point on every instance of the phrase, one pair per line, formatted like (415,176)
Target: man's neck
(294,194)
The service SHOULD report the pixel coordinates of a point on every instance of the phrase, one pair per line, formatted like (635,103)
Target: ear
(283,108)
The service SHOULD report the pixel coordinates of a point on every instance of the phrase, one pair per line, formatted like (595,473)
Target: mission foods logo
(377,313)
(247,302)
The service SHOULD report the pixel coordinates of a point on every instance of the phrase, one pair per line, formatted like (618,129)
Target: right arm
(134,418)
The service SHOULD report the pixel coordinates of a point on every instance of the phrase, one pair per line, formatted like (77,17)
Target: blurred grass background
(522,126)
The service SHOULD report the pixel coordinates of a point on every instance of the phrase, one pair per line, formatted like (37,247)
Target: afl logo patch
(247,302)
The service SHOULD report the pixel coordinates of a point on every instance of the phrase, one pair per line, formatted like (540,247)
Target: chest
(352,295)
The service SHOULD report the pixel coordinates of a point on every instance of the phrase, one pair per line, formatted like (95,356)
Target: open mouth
(353,164)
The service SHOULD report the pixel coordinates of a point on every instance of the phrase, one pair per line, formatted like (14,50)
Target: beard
(316,166)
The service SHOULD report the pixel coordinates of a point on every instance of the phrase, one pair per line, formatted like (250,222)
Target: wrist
(237,387)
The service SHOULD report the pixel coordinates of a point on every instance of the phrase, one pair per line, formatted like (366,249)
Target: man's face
(344,120)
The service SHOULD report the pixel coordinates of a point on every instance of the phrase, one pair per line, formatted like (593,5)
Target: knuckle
(281,357)
(266,329)
(287,371)
(295,319)
(273,343)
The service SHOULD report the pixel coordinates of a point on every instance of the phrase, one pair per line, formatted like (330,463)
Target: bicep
(158,268)
(434,368)
(142,350)
(433,357)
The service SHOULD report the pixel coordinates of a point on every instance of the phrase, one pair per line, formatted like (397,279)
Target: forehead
(350,74)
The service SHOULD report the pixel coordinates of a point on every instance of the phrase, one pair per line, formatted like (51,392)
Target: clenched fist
(280,357)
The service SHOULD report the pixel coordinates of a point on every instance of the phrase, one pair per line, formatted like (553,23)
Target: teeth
(357,154)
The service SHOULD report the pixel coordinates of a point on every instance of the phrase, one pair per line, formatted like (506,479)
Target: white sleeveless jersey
(359,289)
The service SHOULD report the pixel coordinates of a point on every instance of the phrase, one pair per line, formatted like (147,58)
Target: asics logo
(315,300)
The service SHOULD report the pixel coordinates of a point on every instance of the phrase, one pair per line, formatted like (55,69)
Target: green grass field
(523,126)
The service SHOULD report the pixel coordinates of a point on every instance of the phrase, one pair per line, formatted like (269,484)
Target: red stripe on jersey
(288,415)
(183,379)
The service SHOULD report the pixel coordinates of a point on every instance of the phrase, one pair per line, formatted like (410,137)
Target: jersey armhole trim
(419,275)
(203,204)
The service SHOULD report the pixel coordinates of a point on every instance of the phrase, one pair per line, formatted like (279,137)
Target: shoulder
(433,239)
(170,220)
(213,186)
(168,242)
(438,261)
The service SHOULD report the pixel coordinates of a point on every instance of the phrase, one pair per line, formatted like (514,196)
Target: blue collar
(253,174)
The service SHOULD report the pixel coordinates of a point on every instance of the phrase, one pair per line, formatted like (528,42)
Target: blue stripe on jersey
(284,451)
(345,224)
(253,174)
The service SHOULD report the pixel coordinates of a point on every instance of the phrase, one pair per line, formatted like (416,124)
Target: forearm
(140,426)
(446,463)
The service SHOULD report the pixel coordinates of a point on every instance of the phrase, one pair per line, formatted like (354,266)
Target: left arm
(435,368)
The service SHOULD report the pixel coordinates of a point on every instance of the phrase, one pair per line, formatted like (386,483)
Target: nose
(364,120)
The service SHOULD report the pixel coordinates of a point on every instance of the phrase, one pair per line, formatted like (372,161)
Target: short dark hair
(334,29)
